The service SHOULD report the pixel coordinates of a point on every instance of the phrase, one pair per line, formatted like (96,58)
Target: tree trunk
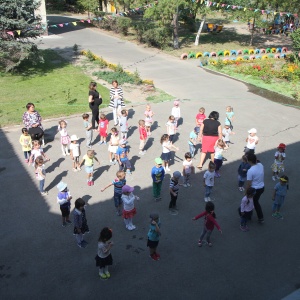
(199,31)
(175,30)
(252,32)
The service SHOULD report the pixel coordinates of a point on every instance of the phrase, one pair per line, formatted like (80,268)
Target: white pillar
(42,12)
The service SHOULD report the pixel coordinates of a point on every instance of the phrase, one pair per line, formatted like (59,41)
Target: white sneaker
(133,226)
(188,184)
(64,154)
(273,178)
(144,151)
(141,153)
(167,169)
(129,227)
(185,185)
(206,199)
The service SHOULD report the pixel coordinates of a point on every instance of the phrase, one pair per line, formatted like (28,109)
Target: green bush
(140,28)
(296,40)
(123,24)
(121,77)
(158,37)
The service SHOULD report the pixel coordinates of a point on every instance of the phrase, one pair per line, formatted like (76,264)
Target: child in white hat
(252,141)
(75,152)
(64,200)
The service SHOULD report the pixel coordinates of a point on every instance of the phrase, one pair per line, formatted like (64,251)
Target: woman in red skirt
(210,132)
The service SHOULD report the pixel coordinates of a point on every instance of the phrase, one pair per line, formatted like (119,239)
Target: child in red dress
(103,128)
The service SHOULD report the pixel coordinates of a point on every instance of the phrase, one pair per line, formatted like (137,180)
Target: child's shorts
(89,169)
(152,244)
(277,168)
(118,199)
(126,164)
(148,123)
(76,159)
(65,211)
(171,137)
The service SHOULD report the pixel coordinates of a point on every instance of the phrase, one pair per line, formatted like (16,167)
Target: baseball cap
(158,161)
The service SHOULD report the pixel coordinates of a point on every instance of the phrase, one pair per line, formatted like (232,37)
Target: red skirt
(208,143)
(128,214)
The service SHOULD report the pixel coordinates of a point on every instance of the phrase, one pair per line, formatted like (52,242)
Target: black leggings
(36,133)
(95,116)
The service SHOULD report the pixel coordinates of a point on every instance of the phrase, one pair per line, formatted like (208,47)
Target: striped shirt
(118,184)
(174,186)
(113,91)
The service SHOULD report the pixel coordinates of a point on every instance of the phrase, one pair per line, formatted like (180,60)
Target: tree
(18,26)
(89,5)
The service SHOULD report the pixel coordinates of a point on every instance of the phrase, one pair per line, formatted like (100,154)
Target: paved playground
(40,259)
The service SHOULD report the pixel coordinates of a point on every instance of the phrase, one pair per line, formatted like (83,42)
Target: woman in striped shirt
(116,100)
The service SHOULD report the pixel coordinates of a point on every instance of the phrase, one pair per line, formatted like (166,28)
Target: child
(80,223)
(209,180)
(118,183)
(122,157)
(143,136)
(220,146)
(246,208)
(88,130)
(188,169)
(40,173)
(124,123)
(229,116)
(64,200)
(252,141)
(166,150)
(226,132)
(174,188)
(88,160)
(200,117)
(153,236)
(193,141)
(26,142)
(209,223)
(37,151)
(158,175)
(148,119)
(171,128)
(113,145)
(103,257)
(103,128)
(176,112)
(129,210)
(242,172)
(75,152)
(280,191)
(64,137)
(278,165)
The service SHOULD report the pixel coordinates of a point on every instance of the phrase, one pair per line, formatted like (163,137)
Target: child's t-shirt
(187,166)
(280,189)
(158,173)
(174,185)
(164,147)
(143,133)
(40,172)
(280,157)
(200,118)
(103,125)
(171,128)
(62,199)
(193,136)
(251,141)
(75,148)
(25,141)
(63,131)
(226,133)
(122,152)
(118,184)
(86,125)
(247,204)
(123,124)
(103,249)
(89,162)
(148,116)
(218,153)
(153,235)
(36,152)
(229,116)
(175,112)
(209,178)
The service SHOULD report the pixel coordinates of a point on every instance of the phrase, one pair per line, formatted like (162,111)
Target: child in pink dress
(148,119)
(103,128)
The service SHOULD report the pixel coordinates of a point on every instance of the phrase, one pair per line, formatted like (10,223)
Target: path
(39,258)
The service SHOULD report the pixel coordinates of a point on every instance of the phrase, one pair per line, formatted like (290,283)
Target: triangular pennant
(61,25)
(233,6)
(53,26)
(89,21)
(10,33)
(66,24)
(245,8)
(218,4)
(275,12)
(74,23)
(18,32)
(262,12)
(82,21)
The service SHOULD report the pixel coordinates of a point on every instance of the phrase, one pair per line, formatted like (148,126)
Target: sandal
(199,167)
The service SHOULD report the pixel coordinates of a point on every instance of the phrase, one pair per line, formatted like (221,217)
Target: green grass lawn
(56,87)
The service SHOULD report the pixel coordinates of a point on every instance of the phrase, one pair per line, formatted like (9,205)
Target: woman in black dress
(95,100)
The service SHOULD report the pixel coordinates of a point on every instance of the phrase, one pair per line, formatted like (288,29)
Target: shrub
(296,40)
(158,37)
(123,24)
(140,28)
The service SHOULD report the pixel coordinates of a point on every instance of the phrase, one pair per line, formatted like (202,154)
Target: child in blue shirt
(153,236)
(64,200)
(122,157)
(242,172)
(280,191)
(118,183)
(157,174)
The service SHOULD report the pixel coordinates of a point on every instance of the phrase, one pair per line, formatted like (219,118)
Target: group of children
(123,194)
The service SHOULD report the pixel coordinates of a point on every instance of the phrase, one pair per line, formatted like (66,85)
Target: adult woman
(33,122)
(95,100)
(116,100)
(210,132)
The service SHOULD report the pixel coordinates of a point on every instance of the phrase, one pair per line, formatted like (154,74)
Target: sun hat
(282,146)
(177,174)
(123,142)
(158,161)
(74,138)
(61,186)
(127,189)
(154,216)
(252,130)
